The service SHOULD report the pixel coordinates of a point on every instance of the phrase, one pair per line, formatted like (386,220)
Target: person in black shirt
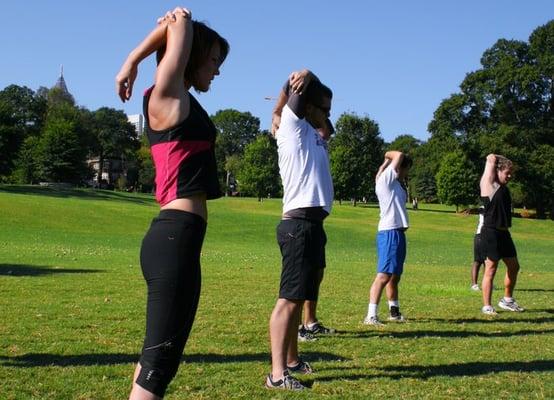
(496,239)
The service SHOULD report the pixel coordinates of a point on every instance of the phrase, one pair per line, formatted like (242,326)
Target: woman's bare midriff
(195,204)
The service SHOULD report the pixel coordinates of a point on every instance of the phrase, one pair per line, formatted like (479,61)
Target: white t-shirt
(303,164)
(392,201)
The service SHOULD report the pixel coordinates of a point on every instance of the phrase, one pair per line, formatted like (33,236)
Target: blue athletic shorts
(391,251)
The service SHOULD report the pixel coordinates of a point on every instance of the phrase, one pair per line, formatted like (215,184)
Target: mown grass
(72,305)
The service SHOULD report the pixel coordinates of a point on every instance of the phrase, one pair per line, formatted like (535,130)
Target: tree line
(505,107)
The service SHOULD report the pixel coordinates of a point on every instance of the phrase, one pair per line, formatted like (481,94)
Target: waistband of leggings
(181,216)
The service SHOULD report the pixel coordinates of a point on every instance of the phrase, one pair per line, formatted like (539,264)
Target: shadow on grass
(90,194)
(37,270)
(491,320)
(535,290)
(55,360)
(442,334)
(451,370)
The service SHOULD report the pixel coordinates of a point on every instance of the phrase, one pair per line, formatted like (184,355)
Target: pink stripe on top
(168,157)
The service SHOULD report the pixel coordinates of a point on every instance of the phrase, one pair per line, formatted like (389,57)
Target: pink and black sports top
(184,155)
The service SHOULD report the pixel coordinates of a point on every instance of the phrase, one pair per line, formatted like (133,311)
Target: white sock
(508,299)
(394,303)
(372,310)
(311,326)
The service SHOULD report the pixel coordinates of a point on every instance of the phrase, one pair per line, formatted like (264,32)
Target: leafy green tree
(63,146)
(355,152)
(506,107)
(27,163)
(113,136)
(404,143)
(21,116)
(145,165)
(456,180)
(258,174)
(236,130)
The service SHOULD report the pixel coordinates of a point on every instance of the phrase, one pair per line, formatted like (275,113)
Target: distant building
(138,121)
(60,83)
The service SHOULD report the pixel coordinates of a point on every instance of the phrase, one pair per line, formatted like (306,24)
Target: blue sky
(392,61)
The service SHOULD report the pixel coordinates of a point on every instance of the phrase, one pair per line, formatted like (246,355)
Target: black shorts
(478,251)
(497,244)
(302,243)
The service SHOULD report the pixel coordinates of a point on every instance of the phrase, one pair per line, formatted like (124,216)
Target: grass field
(72,305)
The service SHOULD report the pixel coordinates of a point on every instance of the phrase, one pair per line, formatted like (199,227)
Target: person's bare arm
(127,74)
(395,158)
(277,110)
(489,176)
(386,163)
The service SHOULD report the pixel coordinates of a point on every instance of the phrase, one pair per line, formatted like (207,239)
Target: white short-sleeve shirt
(303,164)
(392,201)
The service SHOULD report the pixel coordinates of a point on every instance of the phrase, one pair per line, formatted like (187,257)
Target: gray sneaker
(287,383)
(488,310)
(305,336)
(373,321)
(510,305)
(301,368)
(319,329)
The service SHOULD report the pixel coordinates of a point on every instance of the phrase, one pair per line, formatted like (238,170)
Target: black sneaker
(301,368)
(304,335)
(287,383)
(395,314)
(319,329)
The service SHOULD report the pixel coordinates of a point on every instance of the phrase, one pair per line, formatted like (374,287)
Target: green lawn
(72,305)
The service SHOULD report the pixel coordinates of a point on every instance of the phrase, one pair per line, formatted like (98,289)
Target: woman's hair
(204,38)
(406,162)
(503,163)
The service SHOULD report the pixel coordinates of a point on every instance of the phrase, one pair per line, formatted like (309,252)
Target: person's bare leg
(512,269)
(292,339)
(392,287)
(475,272)
(284,315)
(376,289)
(488,278)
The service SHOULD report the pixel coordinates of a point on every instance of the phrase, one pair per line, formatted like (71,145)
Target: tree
(235,130)
(404,143)
(21,116)
(62,148)
(355,152)
(506,107)
(258,174)
(456,180)
(114,136)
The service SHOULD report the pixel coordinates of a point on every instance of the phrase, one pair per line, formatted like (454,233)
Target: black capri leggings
(170,261)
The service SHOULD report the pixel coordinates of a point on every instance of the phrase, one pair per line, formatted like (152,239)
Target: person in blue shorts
(391,239)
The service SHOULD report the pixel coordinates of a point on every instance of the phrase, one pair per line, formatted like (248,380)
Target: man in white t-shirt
(304,106)
(391,240)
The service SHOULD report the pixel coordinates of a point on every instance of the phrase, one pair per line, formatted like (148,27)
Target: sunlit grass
(73,297)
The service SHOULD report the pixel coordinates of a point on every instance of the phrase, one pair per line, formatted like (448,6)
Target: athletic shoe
(301,368)
(319,329)
(287,383)
(304,335)
(488,310)
(373,321)
(510,305)
(475,288)
(395,314)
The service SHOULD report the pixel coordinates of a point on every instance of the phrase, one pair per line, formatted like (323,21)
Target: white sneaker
(510,305)
(488,310)
(373,321)
(475,288)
